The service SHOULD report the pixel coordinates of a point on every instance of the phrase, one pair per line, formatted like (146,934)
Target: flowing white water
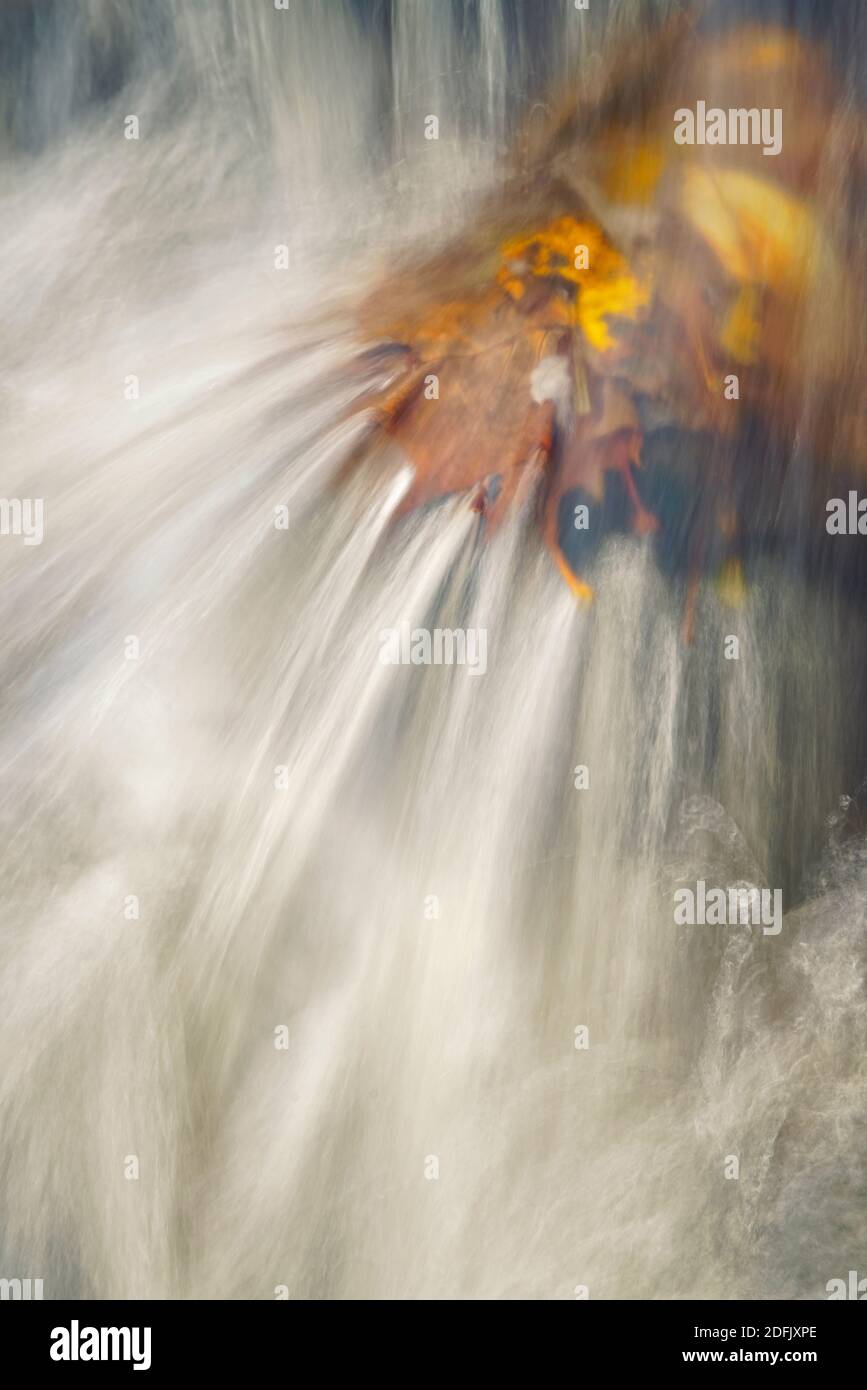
(393,863)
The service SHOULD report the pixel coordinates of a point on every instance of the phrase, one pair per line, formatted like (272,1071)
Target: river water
(318,975)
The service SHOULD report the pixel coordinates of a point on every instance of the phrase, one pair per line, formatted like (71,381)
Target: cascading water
(241,822)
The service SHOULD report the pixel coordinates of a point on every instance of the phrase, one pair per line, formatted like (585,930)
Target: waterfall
(380,1001)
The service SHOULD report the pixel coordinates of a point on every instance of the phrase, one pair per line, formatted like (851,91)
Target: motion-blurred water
(419,895)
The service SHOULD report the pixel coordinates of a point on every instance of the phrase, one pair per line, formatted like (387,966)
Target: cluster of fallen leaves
(617,268)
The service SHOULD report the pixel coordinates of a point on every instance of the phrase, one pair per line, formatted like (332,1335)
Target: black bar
(220,1338)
